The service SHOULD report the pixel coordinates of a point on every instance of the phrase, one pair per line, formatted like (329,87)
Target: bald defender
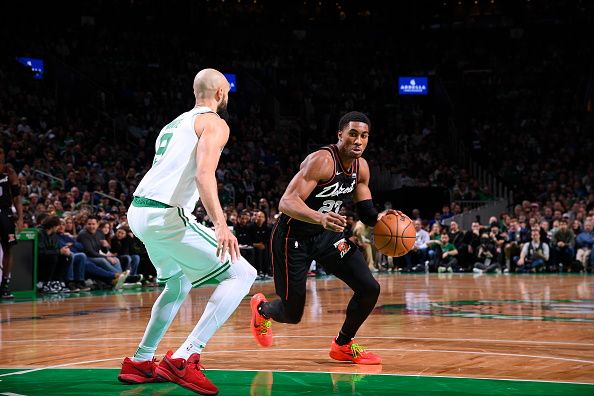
(185,253)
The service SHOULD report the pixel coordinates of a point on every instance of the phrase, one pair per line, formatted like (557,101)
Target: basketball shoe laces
(264,326)
(196,366)
(357,350)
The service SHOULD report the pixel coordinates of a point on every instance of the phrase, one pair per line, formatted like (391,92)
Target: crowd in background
(81,149)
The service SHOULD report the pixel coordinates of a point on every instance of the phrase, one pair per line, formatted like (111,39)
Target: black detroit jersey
(327,196)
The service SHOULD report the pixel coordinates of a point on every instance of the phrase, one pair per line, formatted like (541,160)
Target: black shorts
(7,228)
(292,256)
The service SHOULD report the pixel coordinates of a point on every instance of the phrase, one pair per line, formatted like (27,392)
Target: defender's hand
(226,243)
(333,221)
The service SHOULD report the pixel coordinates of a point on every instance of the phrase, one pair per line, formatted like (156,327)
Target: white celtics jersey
(171,179)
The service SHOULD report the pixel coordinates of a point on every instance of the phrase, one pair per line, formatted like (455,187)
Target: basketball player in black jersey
(310,228)
(9,195)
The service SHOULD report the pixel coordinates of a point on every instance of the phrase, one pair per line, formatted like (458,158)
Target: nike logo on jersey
(336,189)
(338,173)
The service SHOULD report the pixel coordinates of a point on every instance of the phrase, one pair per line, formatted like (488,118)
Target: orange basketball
(394,235)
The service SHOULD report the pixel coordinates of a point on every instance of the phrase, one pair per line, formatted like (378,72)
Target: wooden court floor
(520,329)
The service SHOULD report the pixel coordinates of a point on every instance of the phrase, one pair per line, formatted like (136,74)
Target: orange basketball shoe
(259,325)
(139,372)
(354,353)
(186,373)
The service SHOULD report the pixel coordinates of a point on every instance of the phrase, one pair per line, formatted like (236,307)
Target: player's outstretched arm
(213,134)
(316,167)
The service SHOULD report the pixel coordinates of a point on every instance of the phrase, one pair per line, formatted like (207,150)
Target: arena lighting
(232,78)
(36,65)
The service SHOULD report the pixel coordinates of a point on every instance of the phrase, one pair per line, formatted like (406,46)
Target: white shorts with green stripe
(176,242)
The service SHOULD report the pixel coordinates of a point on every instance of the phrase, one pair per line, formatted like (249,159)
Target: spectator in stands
(472,240)
(109,277)
(545,232)
(583,244)
(34,187)
(85,201)
(75,193)
(516,237)
(548,214)
(232,218)
(486,255)
(434,246)
(264,206)
(75,273)
(122,245)
(93,242)
(500,238)
(416,259)
(534,255)
(563,247)
(260,231)
(52,260)
(436,219)
(106,230)
(69,226)
(202,217)
(445,214)
(245,238)
(576,227)
(447,261)
(69,203)
(457,238)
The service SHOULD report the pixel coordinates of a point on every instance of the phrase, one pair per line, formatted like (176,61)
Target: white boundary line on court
(319,349)
(324,336)
(308,372)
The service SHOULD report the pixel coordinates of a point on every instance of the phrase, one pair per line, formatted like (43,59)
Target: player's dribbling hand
(389,211)
(226,243)
(333,221)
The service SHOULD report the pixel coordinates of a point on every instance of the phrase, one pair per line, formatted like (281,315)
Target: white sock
(144,353)
(234,284)
(190,346)
(164,310)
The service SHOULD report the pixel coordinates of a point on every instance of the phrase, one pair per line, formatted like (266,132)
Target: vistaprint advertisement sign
(413,86)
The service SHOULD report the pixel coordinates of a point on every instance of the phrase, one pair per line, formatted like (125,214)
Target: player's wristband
(367,212)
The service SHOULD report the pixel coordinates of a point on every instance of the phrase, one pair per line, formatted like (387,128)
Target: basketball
(394,235)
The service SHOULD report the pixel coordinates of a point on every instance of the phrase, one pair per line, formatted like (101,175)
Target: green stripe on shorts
(142,202)
(213,274)
(203,234)
(187,223)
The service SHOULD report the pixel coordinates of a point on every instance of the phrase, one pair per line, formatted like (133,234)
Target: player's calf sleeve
(164,310)
(234,284)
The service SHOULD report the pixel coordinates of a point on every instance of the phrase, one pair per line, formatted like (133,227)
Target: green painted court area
(103,382)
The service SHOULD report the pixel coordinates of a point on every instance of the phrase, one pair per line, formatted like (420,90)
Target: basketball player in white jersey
(185,253)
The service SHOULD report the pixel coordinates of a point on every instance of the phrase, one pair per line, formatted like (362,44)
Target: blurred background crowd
(507,124)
